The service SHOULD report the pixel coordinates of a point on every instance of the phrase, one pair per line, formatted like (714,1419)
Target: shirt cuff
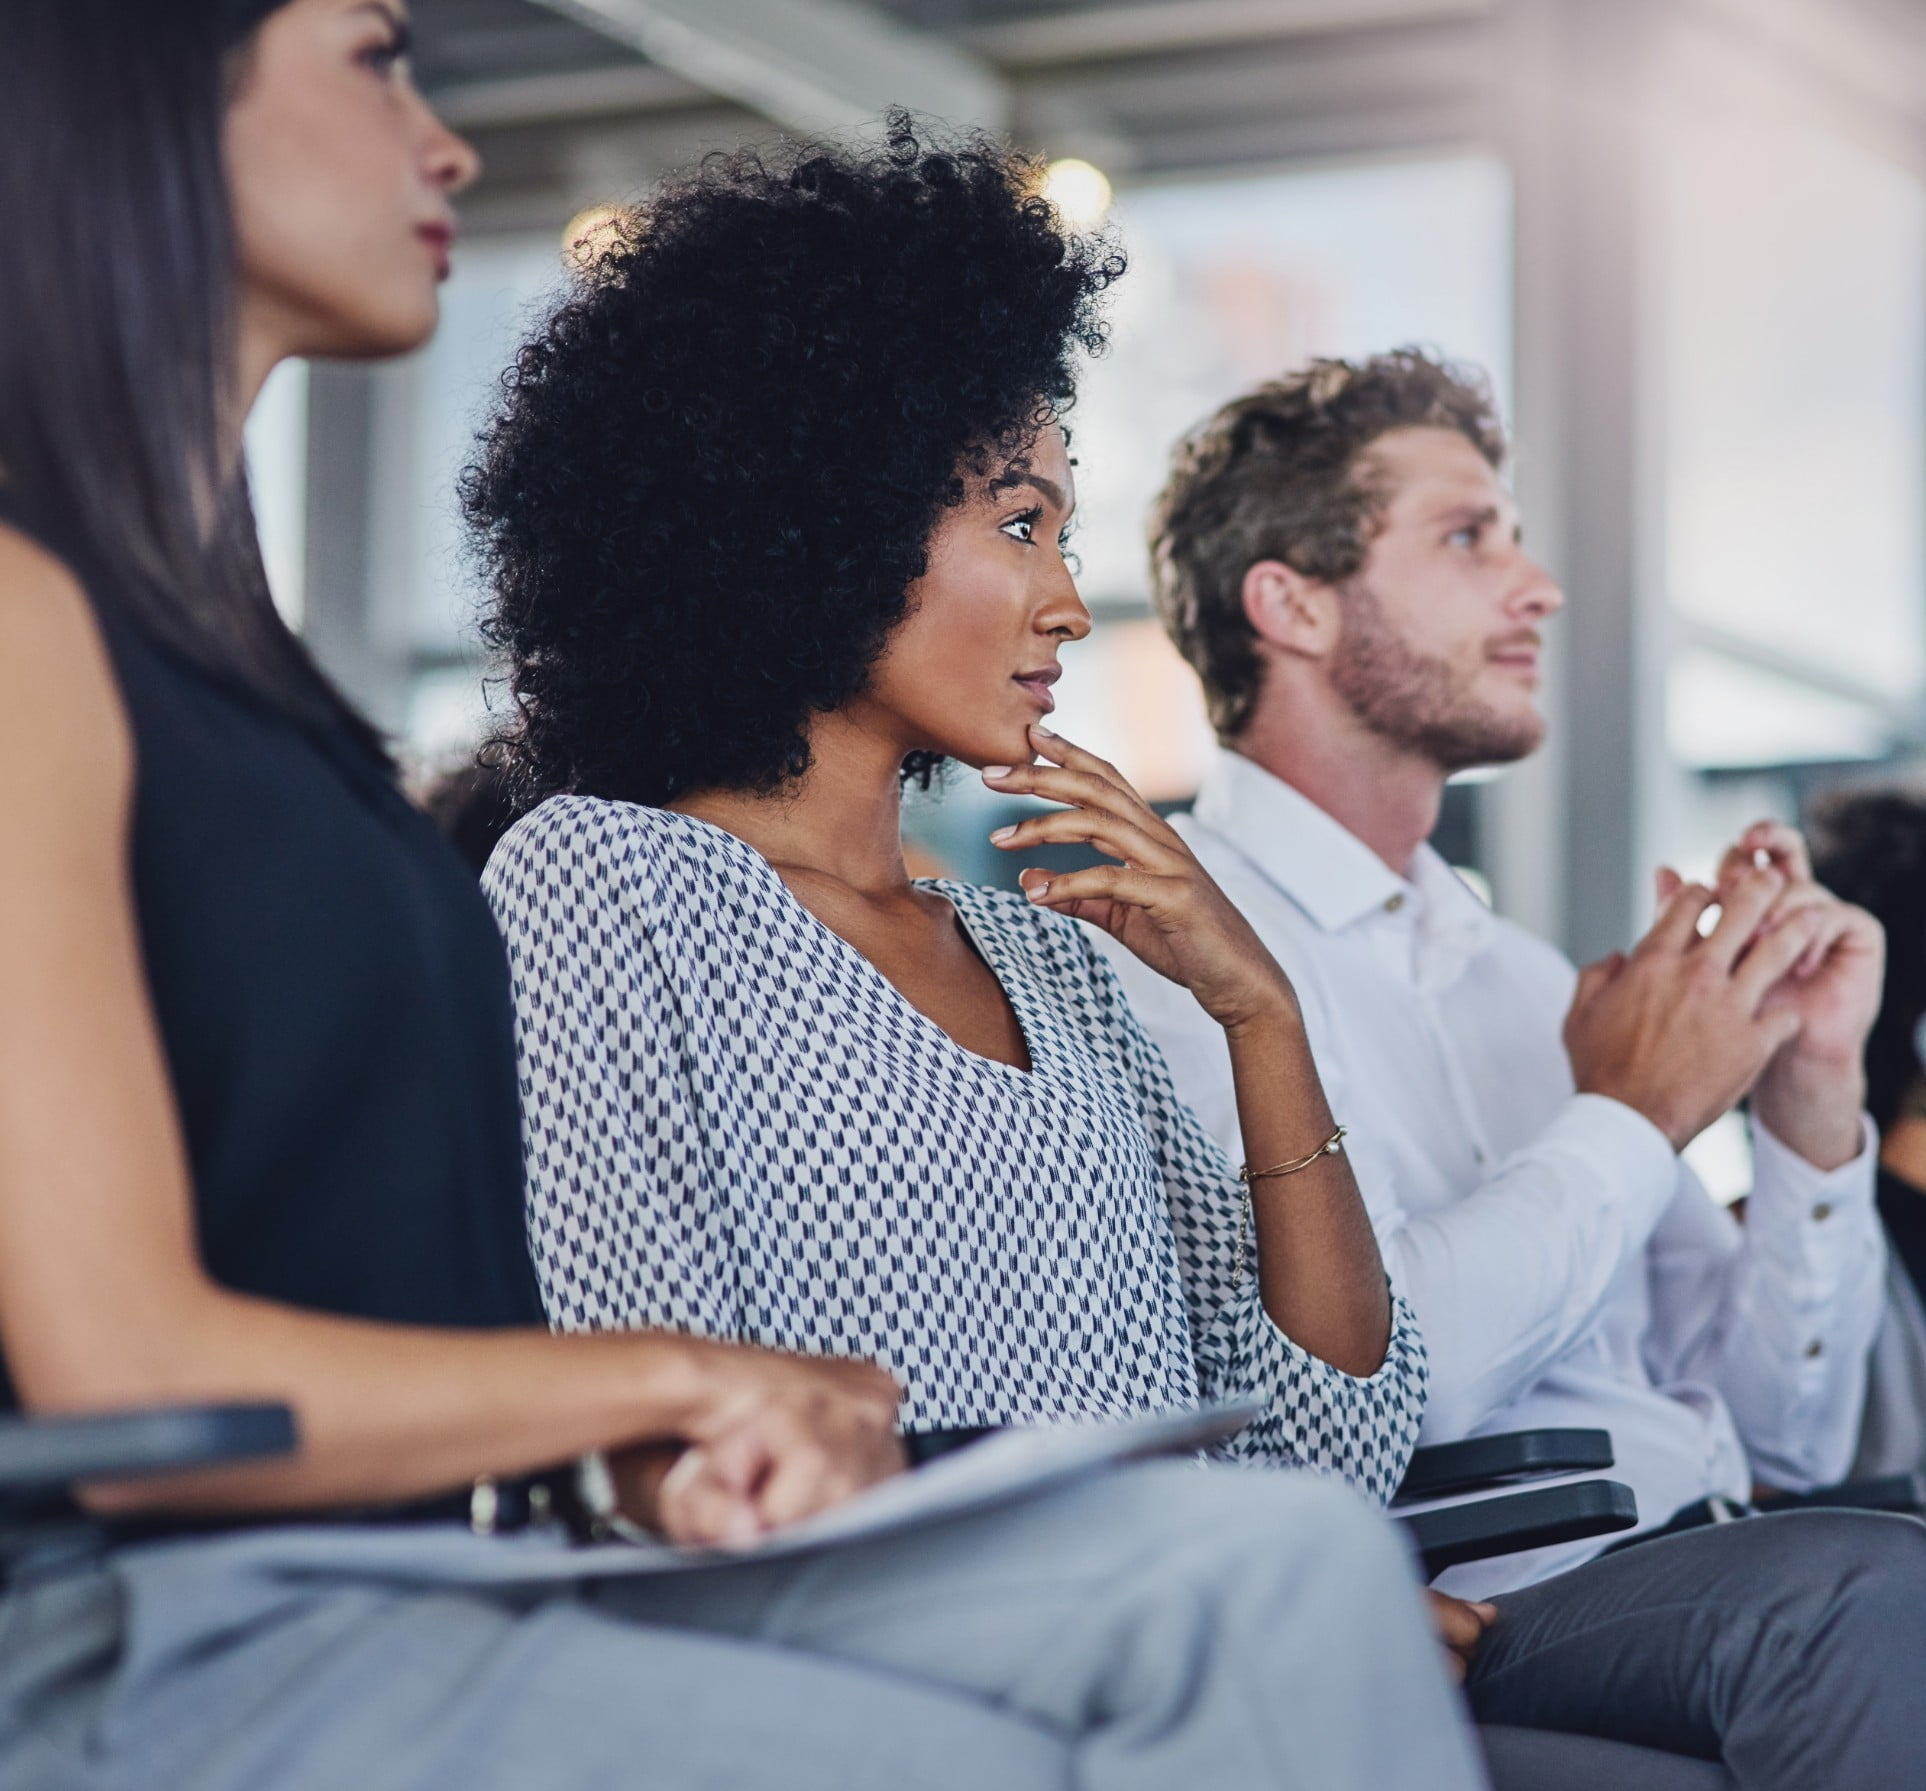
(1785,1184)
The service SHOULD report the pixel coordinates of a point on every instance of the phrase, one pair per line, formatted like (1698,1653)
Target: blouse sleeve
(624,1223)
(1315,1415)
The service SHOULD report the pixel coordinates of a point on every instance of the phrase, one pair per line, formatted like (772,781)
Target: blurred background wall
(1686,237)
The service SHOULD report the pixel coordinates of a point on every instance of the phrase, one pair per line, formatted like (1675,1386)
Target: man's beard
(1416,703)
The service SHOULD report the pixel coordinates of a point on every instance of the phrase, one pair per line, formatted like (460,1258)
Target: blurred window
(431,408)
(1793,325)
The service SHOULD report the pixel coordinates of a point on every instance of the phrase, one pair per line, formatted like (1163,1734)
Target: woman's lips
(1038,685)
(440,239)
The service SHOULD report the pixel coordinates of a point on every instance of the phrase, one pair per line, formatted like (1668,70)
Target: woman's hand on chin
(1158,900)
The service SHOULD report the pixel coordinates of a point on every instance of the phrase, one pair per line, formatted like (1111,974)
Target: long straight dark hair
(117,298)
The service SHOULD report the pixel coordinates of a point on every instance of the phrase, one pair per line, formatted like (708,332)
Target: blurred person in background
(1870,849)
(1338,559)
(258,1137)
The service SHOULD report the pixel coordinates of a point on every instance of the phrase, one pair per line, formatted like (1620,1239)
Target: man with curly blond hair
(1339,560)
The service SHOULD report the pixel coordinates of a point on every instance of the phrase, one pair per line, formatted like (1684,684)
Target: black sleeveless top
(333,1000)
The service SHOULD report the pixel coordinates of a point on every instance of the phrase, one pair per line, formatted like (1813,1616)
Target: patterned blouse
(734,1125)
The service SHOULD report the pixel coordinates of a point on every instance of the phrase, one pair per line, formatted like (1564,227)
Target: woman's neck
(841,820)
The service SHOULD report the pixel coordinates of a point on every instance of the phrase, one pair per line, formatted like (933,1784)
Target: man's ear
(1293,613)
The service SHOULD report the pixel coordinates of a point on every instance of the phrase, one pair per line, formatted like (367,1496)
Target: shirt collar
(1314,859)
(1324,867)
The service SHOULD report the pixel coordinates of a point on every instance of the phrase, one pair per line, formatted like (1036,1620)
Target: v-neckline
(865,967)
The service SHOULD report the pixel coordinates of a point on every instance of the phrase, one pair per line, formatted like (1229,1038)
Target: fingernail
(1041,732)
(992,772)
(1004,833)
(1037,891)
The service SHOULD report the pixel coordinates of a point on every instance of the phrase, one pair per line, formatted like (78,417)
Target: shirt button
(1823,1210)
(1392,903)
(1815,1348)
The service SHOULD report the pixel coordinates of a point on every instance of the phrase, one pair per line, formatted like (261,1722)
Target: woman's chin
(1017,751)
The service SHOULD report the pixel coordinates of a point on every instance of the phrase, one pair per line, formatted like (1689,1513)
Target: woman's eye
(1464,537)
(1022,528)
(388,55)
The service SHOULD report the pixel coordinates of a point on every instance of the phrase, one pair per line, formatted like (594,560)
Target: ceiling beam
(1146,27)
(568,94)
(809,65)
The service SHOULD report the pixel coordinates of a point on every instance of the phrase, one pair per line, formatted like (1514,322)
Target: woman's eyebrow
(1049,488)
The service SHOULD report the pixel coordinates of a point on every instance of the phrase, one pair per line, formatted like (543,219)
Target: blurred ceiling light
(1078,192)
(589,235)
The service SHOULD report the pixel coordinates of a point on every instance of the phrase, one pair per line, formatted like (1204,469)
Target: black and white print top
(734,1125)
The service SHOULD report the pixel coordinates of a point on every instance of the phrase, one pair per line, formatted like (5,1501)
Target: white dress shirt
(1565,1266)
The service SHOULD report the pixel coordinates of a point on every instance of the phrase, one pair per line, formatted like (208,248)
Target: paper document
(1011,1465)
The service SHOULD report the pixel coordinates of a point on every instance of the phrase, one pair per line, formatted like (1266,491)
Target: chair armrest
(1446,1468)
(44,1454)
(1514,1522)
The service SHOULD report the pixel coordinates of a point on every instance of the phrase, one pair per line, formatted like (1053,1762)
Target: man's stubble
(1419,703)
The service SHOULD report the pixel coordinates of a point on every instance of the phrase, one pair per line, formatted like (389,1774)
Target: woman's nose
(452,161)
(1063,612)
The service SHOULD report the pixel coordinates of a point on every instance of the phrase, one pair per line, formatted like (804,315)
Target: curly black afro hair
(716,471)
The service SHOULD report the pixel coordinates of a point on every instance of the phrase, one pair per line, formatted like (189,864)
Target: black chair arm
(46,1454)
(1514,1522)
(1446,1468)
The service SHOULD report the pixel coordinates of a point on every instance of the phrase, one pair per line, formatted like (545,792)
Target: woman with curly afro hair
(774,507)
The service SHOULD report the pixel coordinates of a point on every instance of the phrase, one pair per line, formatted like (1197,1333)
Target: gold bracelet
(1333,1146)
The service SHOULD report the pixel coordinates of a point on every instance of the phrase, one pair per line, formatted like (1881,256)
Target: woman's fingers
(1098,883)
(710,1495)
(1077,789)
(1070,774)
(1073,757)
(1120,837)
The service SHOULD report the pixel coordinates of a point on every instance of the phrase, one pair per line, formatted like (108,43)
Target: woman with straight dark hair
(258,1138)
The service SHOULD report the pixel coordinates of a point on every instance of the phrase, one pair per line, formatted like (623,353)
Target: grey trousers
(1156,1627)
(1791,1647)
